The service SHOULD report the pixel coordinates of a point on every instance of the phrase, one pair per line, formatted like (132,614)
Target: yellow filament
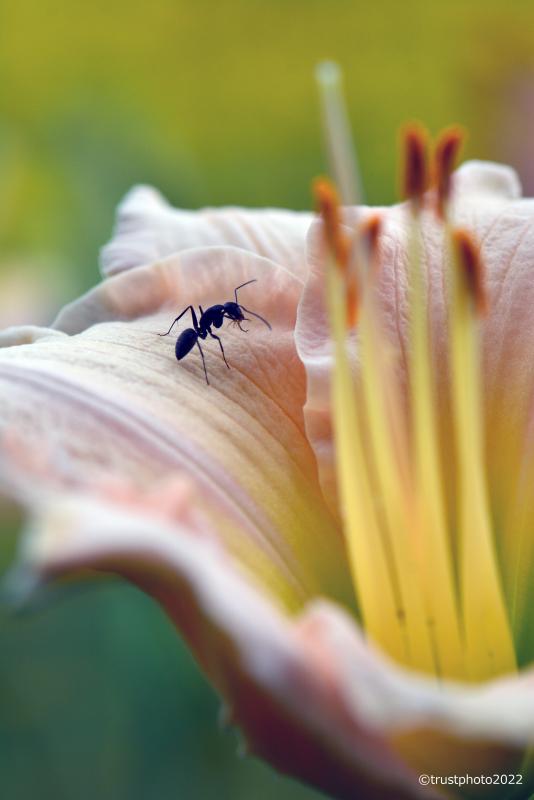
(523,556)
(520,555)
(381,615)
(435,556)
(516,455)
(381,394)
(489,644)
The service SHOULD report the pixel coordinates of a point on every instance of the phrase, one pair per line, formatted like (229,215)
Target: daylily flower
(333,599)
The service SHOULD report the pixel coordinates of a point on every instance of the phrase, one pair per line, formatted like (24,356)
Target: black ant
(214,315)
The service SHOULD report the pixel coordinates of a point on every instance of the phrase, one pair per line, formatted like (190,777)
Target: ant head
(233,311)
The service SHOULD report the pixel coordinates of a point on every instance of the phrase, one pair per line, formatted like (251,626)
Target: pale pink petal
(439,729)
(111,397)
(310,695)
(394,698)
(273,680)
(148,229)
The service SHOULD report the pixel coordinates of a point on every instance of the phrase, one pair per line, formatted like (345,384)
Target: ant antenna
(246,309)
(256,315)
(241,286)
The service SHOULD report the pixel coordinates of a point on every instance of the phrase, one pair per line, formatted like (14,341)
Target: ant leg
(203,362)
(194,318)
(221,346)
(257,315)
(241,286)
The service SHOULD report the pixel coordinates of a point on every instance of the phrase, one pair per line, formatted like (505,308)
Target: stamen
(385,431)
(415,177)
(430,523)
(328,206)
(519,547)
(353,299)
(381,615)
(364,249)
(472,269)
(446,154)
(488,636)
(369,236)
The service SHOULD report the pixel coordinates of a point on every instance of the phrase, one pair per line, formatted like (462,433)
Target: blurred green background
(214,103)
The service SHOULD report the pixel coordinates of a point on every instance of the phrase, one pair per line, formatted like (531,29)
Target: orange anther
(369,236)
(415,177)
(328,206)
(353,299)
(472,268)
(446,154)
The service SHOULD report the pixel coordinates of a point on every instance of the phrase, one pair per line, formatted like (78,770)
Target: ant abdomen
(185,343)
